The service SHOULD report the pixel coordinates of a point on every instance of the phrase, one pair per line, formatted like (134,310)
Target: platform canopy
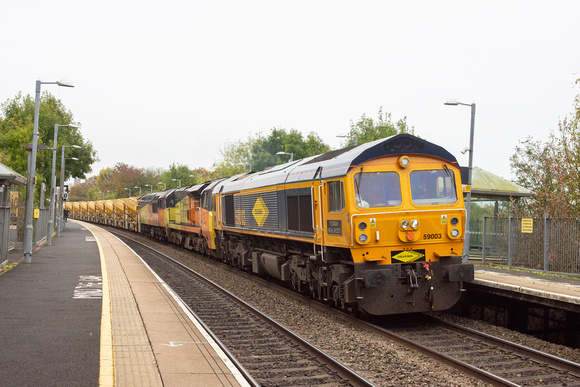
(487,186)
(9,176)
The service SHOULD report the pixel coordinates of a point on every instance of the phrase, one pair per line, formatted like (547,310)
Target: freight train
(376,228)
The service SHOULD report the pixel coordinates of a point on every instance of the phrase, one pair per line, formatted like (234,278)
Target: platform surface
(50,314)
(88,311)
(553,287)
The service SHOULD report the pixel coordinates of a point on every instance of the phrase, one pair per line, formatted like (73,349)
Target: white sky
(162,82)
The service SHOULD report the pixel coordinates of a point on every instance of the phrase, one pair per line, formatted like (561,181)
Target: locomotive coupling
(412,282)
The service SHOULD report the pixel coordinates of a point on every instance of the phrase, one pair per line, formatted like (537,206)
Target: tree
(203,174)
(149,178)
(178,173)
(16,127)
(265,149)
(123,180)
(236,158)
(366,129)
(126,178)
(551,169)
(119,181)
(85,191)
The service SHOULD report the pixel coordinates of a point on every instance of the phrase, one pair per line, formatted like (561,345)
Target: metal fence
(40,225)
(547,244)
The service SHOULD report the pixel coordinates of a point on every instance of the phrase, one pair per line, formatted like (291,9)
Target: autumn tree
(551,169)
(119,181)
(84,191)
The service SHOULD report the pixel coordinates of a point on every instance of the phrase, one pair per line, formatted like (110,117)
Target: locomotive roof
(336,163)
(155,196)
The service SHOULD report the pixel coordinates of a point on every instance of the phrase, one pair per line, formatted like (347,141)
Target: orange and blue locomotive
(376,228)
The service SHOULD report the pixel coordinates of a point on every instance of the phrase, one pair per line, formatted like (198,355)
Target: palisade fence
(40,225)
(546,244)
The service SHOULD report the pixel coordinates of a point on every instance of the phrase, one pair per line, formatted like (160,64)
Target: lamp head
(65,83)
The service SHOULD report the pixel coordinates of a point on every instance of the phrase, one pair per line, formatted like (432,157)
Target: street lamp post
(164,185)
(150,186)
(179,181)
(53,184)
(349,137)
(29,206)
(469,176)
(139,190)
(286,153)
(61,193)
(128,189)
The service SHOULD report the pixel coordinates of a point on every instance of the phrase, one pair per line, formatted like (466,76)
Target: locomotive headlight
(454,221)
(363,238)
(405,224)
(362,226)
(404,161)
(414,223)
(454,233)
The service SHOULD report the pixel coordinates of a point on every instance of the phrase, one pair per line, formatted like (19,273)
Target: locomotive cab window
(336,202)
(377,189)
(206,200)
(228,210)
(433,187)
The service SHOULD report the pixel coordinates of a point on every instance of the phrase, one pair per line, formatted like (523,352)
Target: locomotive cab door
(207,218)
(317,213)
(334,214)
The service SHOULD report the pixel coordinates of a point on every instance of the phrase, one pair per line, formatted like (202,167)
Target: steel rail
(543,357)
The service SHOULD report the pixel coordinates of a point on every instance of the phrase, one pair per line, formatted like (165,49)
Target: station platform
(88,311)
(551,290)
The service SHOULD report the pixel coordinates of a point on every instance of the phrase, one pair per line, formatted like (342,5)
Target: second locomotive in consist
(376,228)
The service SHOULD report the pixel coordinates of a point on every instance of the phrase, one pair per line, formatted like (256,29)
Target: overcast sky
(172,81)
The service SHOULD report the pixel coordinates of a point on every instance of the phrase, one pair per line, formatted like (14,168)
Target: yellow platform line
(107,369)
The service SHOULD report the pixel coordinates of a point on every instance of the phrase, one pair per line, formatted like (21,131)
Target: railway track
(485,357)
(491,359)
(269,354)
(488,358)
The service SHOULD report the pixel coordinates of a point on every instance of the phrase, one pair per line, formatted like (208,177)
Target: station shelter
(491,195)
(8,179)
